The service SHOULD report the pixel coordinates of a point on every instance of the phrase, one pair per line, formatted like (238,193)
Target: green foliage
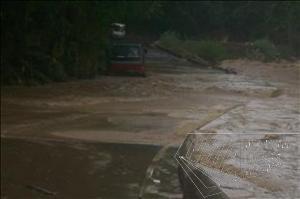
(47,41)
(171,39)
(206,49)
(266,48)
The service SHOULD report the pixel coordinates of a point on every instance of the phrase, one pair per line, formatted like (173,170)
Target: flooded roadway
(65,125)
(72,169)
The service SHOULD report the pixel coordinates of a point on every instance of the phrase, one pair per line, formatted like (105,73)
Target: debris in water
(41,190)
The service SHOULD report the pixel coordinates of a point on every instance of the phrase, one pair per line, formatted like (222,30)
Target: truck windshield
(126,53)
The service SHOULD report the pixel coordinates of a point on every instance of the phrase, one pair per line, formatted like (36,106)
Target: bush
(206,49)
(169,39)
(266,48)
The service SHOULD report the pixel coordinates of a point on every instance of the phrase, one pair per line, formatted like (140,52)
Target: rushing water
(72,170)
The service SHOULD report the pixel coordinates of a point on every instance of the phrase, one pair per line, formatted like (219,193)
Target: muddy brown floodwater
(97,138)
(72,170)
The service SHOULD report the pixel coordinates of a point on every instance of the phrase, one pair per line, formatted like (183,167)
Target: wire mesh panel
(265,164)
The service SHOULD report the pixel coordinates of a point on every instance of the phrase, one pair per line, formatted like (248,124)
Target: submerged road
(100,138)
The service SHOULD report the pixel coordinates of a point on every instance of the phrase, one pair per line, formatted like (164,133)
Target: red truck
(126,58)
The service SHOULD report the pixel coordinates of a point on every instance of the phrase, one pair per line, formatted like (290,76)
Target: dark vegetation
(210,52)
(44,41)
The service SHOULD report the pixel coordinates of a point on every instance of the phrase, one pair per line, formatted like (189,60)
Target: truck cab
(126,58)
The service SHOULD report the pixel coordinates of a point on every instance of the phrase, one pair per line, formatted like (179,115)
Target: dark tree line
(44,41)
